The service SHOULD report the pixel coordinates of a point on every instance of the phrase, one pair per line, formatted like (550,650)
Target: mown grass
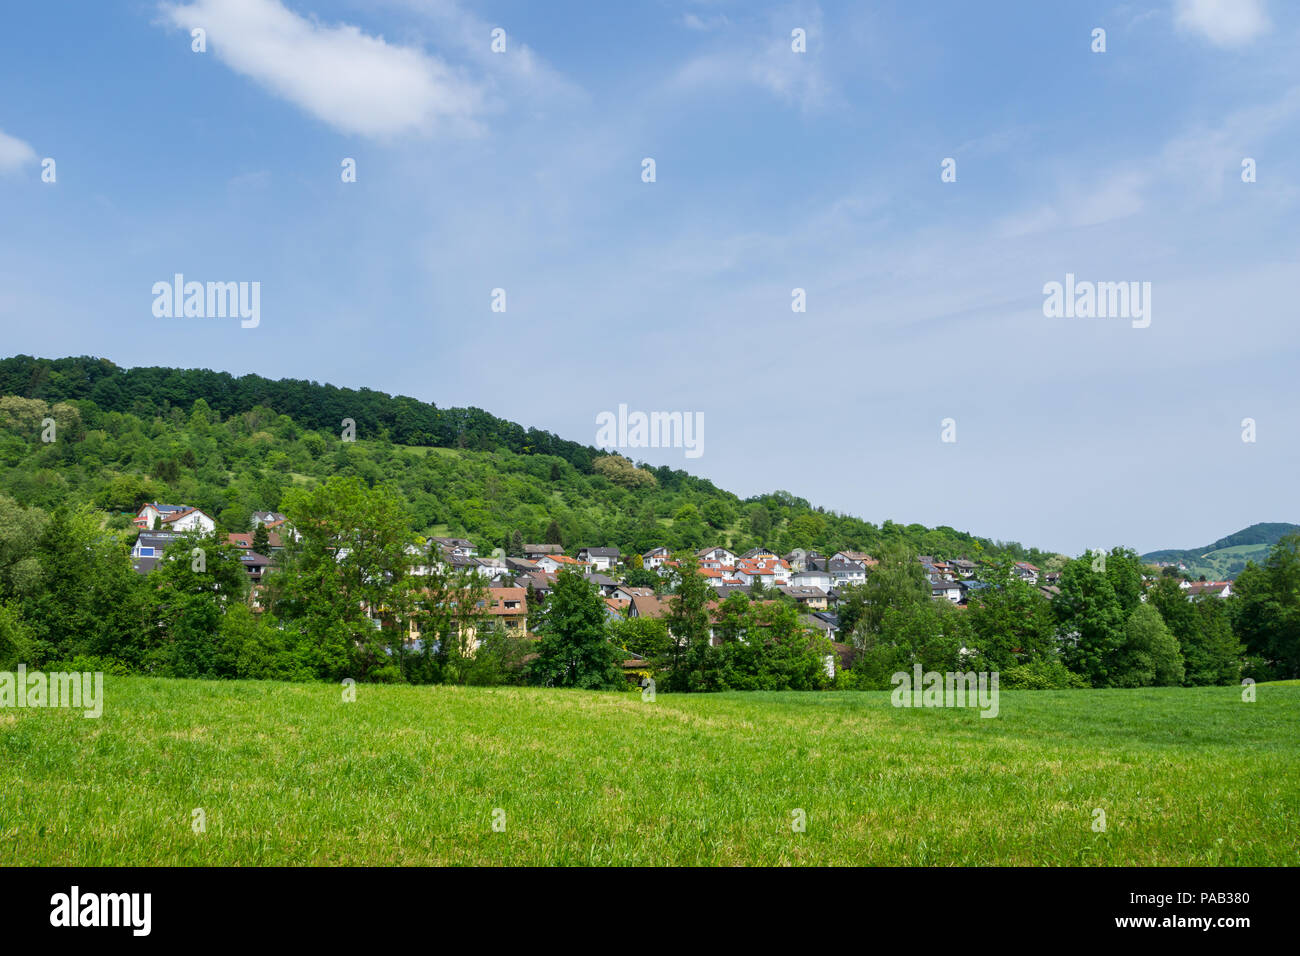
(290,774)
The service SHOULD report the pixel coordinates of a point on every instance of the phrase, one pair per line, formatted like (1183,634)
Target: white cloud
(1223,22)
(520,68)
(765,59)
(354,82)
(703,24)
(14,153)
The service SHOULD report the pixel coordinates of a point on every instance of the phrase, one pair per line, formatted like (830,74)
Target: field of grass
(291,774)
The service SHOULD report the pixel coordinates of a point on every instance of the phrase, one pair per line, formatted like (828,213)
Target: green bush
(1040,675)
(88,663)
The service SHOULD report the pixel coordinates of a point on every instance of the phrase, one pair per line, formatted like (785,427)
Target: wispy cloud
(1226,23)
(14,153)
(750,57)
(354,82)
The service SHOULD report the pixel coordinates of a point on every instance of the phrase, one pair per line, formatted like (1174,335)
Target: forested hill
(232,445)
(1227,557)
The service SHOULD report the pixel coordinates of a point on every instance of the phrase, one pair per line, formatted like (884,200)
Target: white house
(1026,572)
(844,573)
(555,562)
(600,559)
(655,557)
(946,589)
(722,556)
(174,518)
(811,579)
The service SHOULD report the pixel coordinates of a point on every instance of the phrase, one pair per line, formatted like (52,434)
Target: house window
(146,552)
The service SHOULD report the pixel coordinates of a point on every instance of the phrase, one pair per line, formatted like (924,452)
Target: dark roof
(600,552)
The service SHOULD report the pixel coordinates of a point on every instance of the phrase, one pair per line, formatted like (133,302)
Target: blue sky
(774,170)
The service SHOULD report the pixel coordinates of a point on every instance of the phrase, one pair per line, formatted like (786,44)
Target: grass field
(291,774)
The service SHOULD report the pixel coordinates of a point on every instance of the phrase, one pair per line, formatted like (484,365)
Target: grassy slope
(291,774)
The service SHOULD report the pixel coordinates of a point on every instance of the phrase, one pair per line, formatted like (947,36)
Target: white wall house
(811,579)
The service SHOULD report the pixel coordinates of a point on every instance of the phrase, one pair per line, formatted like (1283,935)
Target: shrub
(1040,675)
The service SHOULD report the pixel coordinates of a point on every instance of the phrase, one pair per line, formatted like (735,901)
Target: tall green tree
(574,649)
(1149,655)
(1090,622)
(345,585)
(1011,622)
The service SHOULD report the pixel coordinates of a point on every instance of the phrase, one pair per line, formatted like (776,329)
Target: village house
(541,582)
(534,551)
(148,549)
(946,590)
(811,598)
(655,558)
(604,582)
(1219,589)
(812,578)
(244,539)
(458,547)
(1026,572)
(554,562)
(509,606)
(798,559)
(601,559)
(648,605)
(964,568)
(174,518)
(845,573)
(716,557)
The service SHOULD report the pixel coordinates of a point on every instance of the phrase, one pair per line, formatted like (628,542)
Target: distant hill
(1226,558)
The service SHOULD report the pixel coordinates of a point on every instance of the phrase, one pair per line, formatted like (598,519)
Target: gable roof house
(554,562)
(244,539)
(174,518)
(148,549)
(721,555)
(844,572)
(809,597)
(460,547)
(1219,589)
(535,551)
(655,557)
(942,589)
(1026,572)
(963,567)
(602,559)
(542,583)
(648,605)
(606,584)
(811,578)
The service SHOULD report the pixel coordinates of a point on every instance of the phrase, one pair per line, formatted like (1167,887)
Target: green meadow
(293,774)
